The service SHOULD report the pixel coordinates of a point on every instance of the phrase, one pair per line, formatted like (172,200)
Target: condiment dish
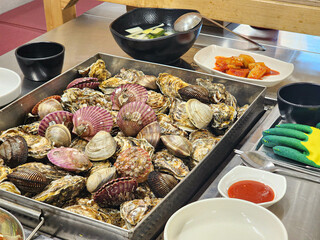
(10,86)
(277,183)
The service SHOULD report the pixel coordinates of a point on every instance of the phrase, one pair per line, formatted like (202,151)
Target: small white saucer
(10,86)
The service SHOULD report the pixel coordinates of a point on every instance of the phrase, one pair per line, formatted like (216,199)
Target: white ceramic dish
(205,58)
(10,86)
(224,219)
(277,182)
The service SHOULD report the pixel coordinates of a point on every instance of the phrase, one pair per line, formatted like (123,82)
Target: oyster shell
(167,126)
(201,147)
(96,70)
(158,102)
(14,151)
(100,177)
(223,116)
(85,82)
(199,114)
(9,187)
(231,100)
(217,91)
(169,85)
(177,145)
(148,81)
(161,183)
(89,212)
(61,190)
(34,110)
(194,92)
(59,135)
(4,171)
(151,133)
(242,110)
(49,106)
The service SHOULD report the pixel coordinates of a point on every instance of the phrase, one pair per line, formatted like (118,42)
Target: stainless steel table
(89,34)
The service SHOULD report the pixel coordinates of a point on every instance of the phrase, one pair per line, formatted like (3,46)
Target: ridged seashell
(194,91)
(101,146)
(14,151)
(69,159)
(115,192)
(177,145)
(134,162)
(87,121)
(9,187)
(169,84)
(161,183)
(4,171)
(158,102)
(100,177)
(58,117)
(84,82)
(133,116)
(96,70)
(60,191)
(148,81)
(49,106)
(88,211)
(34,110)
(199,114)
(151,133)
(128,93)
(28,180)
(59,135)
(217,91)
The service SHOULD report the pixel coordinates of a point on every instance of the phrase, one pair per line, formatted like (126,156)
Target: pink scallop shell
(87,121)
(128,93)
(133,116)
(58,117)
(85,82)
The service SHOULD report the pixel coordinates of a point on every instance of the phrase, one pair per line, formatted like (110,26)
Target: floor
(26,22)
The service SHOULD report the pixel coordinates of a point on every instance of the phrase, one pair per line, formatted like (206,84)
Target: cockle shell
(59,135)
(151,133)
(85,82)
(14,151)
(177,145)
(170,85)
(28,180)
(199,114)
(87,121)
(96,70)
(100,177)
(133,116)
(69,159)
(101,147)
(58,117)
(134,162)
(115,192)
(34,110)
(161,183)
(9,187)
(128,93)
(49,106)
(194,91)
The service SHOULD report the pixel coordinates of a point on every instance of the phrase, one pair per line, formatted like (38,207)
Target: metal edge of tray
(155,220)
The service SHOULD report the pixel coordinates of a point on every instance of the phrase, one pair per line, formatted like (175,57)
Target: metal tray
(64,224)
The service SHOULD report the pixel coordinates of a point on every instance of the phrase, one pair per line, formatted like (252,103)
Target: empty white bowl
(224,219)
(10,86)
(277,182)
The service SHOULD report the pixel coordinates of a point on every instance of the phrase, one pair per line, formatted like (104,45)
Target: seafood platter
(114,146)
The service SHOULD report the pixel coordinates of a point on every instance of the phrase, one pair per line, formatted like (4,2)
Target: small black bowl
(40,61)
(167,49)
(300,103)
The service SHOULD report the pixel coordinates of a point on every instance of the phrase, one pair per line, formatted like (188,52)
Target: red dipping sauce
(252,191)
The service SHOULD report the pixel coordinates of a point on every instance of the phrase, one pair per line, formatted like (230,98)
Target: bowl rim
(295,104)
(15,91)
(16,219)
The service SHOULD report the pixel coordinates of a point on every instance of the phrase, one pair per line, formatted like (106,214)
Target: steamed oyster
(4,171)
(9,187)
(223,116)
(217,91)
(167,126)
(100,177)
(88,211)
(97,70)
(158,102)
(169,85)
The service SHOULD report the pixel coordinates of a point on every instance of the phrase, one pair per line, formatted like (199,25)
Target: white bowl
(277,182)
(10,86)
(205,58)
(224,219)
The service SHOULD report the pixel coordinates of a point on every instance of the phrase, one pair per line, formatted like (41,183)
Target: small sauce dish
(276,182)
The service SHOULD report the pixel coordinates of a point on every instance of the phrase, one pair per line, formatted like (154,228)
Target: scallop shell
(100,177)
(34,110)
(28,180)
(134,116)
(194,91)
(151,133)
(49,106)
(177,145)
(199,114)
(85,82)
(14,151)
(115,192)
(69,159)
(134,162)
(59,135)
(87,121)
(102,146)
(58,117)
(128,93)
(161,183)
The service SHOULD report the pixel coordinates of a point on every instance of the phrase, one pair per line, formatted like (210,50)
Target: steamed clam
(59,135)
(34,110)
(49,106)
(177,145)
(148,81)
(100,177)
(199,114)
(194,92)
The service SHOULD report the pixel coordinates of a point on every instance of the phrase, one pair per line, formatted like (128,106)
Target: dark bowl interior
(300,103)
(40,50)
(166,49)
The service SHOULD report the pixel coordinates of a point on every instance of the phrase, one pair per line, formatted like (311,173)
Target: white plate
(205,58)
(224,219)
(10,86)
(277,182)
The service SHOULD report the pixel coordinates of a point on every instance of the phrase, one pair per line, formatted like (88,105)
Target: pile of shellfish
(111,147)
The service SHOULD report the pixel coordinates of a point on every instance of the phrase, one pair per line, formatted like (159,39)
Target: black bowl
(40,61)
(300,103)
(167,49)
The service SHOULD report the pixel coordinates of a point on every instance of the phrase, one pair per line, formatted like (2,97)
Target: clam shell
(151,133)
(115,192)
(101,146)
(34,110)
(100,177)
(58,117)
(69,159)
(49,106)
(148,81)
(194,91)
(128,93)
(199,114)
(177,145)
(161,183)
(14,151)
(87,121)
(59,135)
(85,82)
(28,180)
(134,116)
